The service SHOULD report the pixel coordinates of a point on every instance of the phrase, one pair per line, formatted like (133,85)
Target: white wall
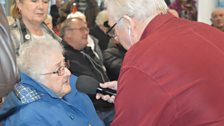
(205,9)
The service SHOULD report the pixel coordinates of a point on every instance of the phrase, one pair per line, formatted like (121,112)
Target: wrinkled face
(77,34)
(33,11)
(121,33)
(57,75)
(218,18)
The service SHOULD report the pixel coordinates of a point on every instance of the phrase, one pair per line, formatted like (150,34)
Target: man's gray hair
(67,24)
(139,9)
(34,57)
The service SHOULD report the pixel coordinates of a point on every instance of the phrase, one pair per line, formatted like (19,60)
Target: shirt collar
(39,87)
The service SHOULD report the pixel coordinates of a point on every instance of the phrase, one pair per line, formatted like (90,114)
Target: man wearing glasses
(75,34)
(172,73)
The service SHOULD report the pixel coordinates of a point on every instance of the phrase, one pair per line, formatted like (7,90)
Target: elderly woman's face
(34,11)
(57,75)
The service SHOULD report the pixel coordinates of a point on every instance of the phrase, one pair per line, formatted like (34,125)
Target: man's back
(173,76)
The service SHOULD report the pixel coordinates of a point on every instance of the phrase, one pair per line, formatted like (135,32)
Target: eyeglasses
(45,1)
(111,31)
(60,71)
(83,29)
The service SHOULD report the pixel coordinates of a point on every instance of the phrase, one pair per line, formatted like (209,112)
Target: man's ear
(131,24)
(129,21)
(67,36)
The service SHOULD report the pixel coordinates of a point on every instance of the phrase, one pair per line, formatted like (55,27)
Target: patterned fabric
(186,8)
(26,95)
(75,109)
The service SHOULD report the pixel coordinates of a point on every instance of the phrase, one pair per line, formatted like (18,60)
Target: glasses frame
(60,71)
(111,30)
(83,29)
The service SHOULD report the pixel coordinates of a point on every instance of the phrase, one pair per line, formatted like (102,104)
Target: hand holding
(111,85)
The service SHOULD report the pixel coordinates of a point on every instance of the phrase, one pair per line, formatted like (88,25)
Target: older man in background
(217,18)
(75,34)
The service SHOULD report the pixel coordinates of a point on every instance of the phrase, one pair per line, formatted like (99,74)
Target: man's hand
(111,85)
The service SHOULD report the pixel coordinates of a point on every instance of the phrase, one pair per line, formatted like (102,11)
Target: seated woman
(47,91)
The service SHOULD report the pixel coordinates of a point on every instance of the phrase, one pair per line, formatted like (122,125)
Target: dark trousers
(106,116)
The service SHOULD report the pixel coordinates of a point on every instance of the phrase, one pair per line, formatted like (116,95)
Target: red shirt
(174,76)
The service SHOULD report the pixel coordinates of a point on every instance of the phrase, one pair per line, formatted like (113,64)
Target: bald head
(75,33)
(217,18)
(217,10)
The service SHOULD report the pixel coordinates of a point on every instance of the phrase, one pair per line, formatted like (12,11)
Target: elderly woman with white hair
(47,92)
(100,29)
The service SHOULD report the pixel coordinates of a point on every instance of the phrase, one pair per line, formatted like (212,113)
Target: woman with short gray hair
(47,91)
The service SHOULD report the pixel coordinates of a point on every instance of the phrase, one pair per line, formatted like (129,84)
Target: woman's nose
(67,72)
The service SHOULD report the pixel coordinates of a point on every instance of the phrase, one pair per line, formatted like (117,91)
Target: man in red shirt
(173,72)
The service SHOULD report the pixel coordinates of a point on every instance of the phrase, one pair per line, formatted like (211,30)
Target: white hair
(139,9)
(101,17)
(34,57)
(77,15)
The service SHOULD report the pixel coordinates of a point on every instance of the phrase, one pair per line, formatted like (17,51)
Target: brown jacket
(8,69)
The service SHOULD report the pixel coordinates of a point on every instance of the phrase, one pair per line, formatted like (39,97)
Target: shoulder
(36,114)
(14,27)
(72,54)
(39,107)
(51,33)
(16,36)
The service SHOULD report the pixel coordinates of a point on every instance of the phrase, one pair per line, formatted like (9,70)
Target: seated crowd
(53,50)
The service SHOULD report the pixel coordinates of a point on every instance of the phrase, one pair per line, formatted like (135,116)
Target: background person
(47,91)
(100,29)
(29,26)
(75,34)
(113,58)
(54,11)
(186,9)
(217,18)
(172,73)
(93,45)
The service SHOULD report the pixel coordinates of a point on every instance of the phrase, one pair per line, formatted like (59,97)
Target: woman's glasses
(60,71)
